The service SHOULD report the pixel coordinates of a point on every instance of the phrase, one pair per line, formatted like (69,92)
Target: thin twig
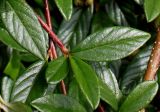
(100,108)
(52,51)
(54,37)
(154,60)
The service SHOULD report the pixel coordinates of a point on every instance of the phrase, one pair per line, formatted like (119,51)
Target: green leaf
(87,80)
(57,70)
(14,107)
(140,97)
(6,88)
(108,95)
(27,57)
(13,67)
(98,24)
(134,72)
(65,7)
(9,41)
(25,82)
(115,13)
(110,44)
(57,103)
(23,26)
(76,93)
(152,9)
(108,78)
(76,29)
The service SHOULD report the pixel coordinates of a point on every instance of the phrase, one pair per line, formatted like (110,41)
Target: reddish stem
(154,60)
(100,108)
(63,87)
(47,14)
(54,37)
(52,51)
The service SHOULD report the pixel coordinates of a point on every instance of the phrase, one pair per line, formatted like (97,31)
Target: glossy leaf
(115,13)
(8,40)
(87,80)
(65,7)
(140,97)
(77,28)
(13,67)
(152,9)
(57,103)
(76,93)
(23,26)
(108,78)
(110,44)
(57,70)
(134,72)
(25,82)
(6,88)
(108,95)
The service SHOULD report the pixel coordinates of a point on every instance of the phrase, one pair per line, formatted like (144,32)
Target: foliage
(102,51)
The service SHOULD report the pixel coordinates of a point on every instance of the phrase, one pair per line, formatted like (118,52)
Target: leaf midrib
(15,13)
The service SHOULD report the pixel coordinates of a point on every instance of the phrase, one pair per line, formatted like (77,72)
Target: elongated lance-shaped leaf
(152,9)
(108,95)
(22,24)
(57,103)
(77,28)
(75,92)
(115,13)
(6,88)
(25,82)
(110,44)
(65,7)
(87,80)
(140,97)
(107,77)
(57,70)
(135,70)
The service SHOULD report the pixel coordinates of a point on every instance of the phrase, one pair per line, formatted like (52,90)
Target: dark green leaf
(13,67)
(23,26)
(108,95)
(140,97)
(135,70)
(110,44)
(77,28)
(6,88)
(115,13)
(27,57)
(25,82)
(87,80)
(108,77)
(152,9)
(98,24)
(57,70)
(8,40)
(65,7)
(57,103)
(76,93)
